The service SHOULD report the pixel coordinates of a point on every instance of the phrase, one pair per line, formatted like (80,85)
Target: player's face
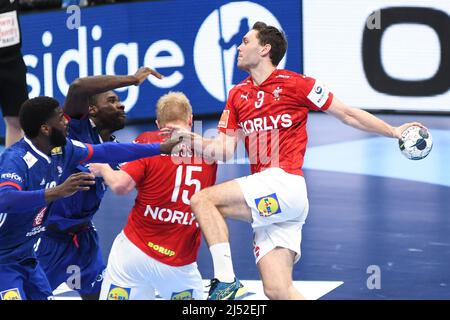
(249,51)
(58,129)
(110,111)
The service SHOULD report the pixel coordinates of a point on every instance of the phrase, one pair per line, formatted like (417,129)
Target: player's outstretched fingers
(156,74)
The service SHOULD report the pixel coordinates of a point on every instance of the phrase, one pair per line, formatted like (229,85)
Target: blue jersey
(24,167)
(80,207)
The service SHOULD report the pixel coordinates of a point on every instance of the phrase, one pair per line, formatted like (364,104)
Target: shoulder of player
(287,74)
(148,137)
(79,129)
(77,122)
(17,154)
(241,86)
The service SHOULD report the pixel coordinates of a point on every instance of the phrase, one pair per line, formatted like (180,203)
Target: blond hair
(173,107)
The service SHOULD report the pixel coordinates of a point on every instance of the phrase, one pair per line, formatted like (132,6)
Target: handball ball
(415,143)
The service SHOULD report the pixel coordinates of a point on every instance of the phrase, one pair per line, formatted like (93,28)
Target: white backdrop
(333,39)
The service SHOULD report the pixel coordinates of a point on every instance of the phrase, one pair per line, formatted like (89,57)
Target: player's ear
(93,110)
(45,129)
(265,50)
(190,121)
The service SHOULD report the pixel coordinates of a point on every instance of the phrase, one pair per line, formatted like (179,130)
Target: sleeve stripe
(328,103)
(13,184)
(90,153)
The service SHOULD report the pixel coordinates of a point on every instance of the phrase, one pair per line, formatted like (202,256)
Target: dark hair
(276,38)
(34,113)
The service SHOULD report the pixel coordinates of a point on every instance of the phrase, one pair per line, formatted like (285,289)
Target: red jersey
(161,222)
(273,116)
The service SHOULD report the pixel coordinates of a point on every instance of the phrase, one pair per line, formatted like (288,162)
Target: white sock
(223,265)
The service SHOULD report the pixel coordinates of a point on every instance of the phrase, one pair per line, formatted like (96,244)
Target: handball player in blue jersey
(34,173)
(69,250)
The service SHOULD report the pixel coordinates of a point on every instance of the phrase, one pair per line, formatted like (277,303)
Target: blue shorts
(75,259)
(24,280)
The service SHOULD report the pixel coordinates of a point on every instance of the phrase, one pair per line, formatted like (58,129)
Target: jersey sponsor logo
(118,293)
(223,122)
(318,94)
(268,205)
(266,123)
(56,151)
(11,176)
(169,215)
(183,295)
(79,144)
(30,160)
(161,249)
(35,231)
(245,96)
(39,217)
(10,294)
(215,60)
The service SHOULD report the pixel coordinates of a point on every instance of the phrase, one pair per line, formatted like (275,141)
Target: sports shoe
(226,290)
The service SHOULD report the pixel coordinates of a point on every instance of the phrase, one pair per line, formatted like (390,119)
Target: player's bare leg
(215,203)
(275,269)
(211,206)
(13,130)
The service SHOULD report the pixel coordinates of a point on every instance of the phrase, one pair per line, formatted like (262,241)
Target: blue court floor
(371,210)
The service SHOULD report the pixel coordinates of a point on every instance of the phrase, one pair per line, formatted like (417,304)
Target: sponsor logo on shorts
(256,250)
(183,295)
(118,293)
(161,249)
(268,205)
(10,294)
(98,280)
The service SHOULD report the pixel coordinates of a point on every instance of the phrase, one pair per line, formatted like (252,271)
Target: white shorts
(133,275)
(279,204)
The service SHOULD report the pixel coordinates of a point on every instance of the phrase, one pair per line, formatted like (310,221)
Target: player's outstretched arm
(219,148)
(123,152)
(365,121)
(118,181)
(77,100)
